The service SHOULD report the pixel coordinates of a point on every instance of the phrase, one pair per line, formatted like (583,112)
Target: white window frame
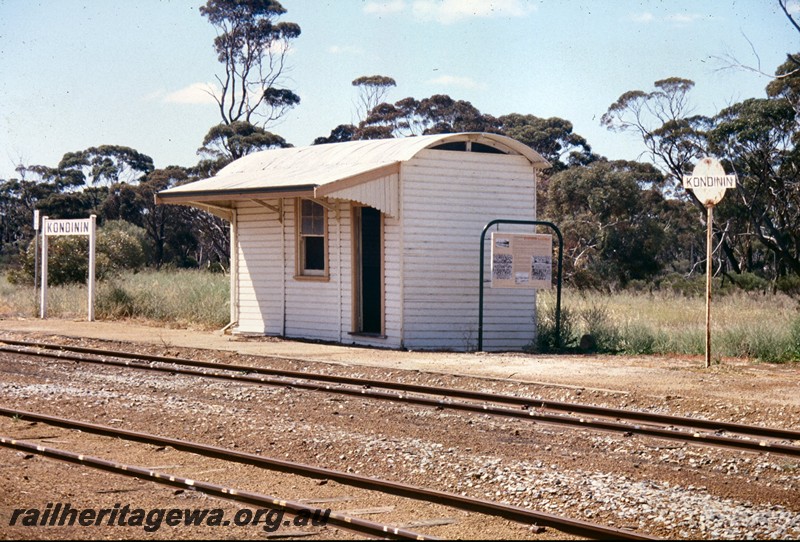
(301,272)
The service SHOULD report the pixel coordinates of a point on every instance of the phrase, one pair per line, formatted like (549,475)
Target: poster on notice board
(522,260)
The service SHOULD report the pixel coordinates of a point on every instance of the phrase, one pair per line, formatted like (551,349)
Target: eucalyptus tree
(82,180)
(786,83)
(673,137)
(340,134)
(18,199)
(438,114)
(252,46)
(372,90)
(175,234)
(105,165)
(616,222)
(663,120)
(226,142)
(758,138)
(553,138)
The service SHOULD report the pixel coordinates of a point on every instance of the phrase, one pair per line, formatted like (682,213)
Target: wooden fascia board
(303,191)
(360,178)
(225,213)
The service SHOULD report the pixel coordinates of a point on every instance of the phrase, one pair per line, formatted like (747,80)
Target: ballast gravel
(662,488)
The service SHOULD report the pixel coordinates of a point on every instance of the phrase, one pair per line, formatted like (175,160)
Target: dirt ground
(658,376)
(652,486)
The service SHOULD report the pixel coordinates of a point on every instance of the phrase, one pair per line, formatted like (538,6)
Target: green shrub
(753,342)
(120,246)
(682,285)
(794,339)
(547,340)
(749,282)
(638,339)
(789,285)
(668,322)
(599,324)
(639,286)
(113,302)
(582,279)
(172,297)
(68,260)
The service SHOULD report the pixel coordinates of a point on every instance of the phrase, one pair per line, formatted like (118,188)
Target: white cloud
(450,11)
(456,81)
(645,17)
(386,7)
(196,93)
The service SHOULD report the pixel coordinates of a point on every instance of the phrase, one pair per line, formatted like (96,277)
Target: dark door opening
(370,275)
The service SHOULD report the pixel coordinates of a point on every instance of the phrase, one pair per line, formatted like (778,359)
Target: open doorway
(368,271)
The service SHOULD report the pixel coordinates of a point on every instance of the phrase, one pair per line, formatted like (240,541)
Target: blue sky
(76,74)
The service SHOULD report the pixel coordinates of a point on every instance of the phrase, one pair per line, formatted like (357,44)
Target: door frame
(357,271)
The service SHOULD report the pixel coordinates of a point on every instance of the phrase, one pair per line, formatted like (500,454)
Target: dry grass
(751,325)
(176,298)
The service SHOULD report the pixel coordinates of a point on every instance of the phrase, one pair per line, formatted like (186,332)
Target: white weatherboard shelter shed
(373,242)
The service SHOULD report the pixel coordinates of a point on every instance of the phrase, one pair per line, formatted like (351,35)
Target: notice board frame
(558,273)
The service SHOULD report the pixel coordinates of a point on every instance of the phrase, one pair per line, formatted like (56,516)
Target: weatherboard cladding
(259,254)
(435,304)
(448,197)
(313,309)
(435,205)
(439,261)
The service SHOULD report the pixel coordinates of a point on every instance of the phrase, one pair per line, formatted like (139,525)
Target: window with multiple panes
(312,260)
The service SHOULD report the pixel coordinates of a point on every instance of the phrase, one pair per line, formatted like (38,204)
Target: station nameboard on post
(708,181)
(71,226)
(522,260)
(77,226)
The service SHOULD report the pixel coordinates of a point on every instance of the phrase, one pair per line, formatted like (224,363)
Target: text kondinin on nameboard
(72,226)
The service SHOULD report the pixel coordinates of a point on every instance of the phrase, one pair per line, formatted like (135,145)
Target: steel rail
(525,413)
(514,513)
(525,402)
(349,523)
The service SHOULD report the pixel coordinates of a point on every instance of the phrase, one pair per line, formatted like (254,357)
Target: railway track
(481,506)
(343,521)
(684,429)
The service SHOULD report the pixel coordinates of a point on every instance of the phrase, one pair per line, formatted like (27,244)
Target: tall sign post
(79,226)
(708,182)
(43,289)
(36,222)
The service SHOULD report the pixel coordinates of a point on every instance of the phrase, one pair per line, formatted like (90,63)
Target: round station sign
(708,181)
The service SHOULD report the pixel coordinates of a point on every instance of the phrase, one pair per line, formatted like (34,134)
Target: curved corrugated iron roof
(306,168)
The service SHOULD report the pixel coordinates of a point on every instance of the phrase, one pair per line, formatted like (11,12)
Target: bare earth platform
(652,375)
